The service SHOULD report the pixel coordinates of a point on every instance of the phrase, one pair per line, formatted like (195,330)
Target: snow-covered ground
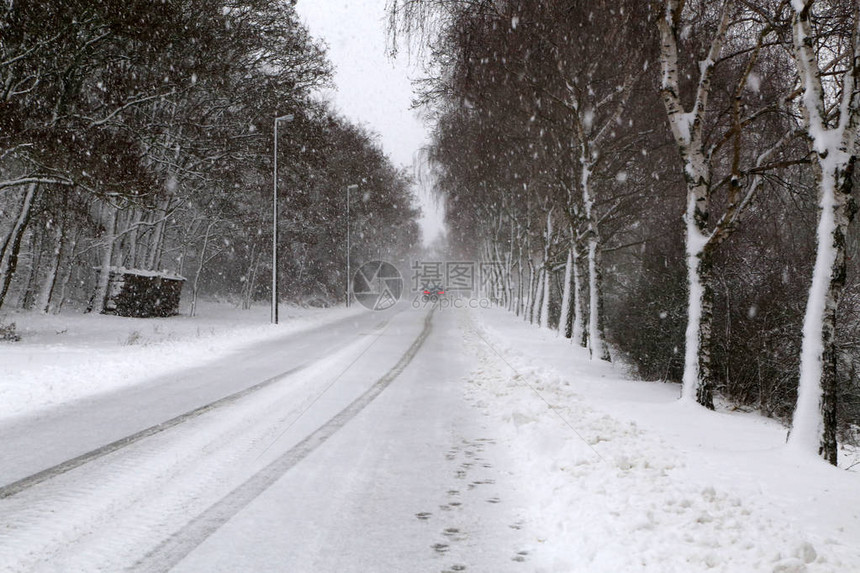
(624,477)
(65,357)
(496,447)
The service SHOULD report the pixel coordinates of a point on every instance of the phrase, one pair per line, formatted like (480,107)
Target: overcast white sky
(371,89)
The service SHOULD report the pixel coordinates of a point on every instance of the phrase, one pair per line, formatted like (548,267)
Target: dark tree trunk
(601,320)
(12,245)
(580,332)
(50,283)
(705,389)
(35,249)
(569,311)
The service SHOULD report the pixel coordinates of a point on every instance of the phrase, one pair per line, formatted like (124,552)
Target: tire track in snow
(108,514)
(22,484)
(175,548)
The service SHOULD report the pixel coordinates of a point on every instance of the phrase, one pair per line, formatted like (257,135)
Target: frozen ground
(469,441)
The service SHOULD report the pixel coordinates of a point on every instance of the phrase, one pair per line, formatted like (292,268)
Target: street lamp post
(348,276)
(288,118)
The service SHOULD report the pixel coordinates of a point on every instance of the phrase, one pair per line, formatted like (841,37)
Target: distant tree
(140,135)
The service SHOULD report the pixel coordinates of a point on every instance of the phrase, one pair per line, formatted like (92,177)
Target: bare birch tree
(831,113)
(693,130)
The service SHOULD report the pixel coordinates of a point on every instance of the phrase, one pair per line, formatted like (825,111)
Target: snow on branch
(27,180)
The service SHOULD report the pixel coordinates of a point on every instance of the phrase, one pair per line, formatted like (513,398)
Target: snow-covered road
(398,480)
(48,437)
(414,483)
(414,441)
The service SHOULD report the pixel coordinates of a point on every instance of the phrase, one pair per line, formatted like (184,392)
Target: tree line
(140,135)
(669,178)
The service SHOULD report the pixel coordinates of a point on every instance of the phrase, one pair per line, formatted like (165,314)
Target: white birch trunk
(564,322)
(695,244)
(501,273)
(808,423)
(528,315)
(520,309)
(543,319)
(814,421)
(544,307)
(537,298)
(579,331)
(595,339)
(509,270)
(595,334)
(687,129)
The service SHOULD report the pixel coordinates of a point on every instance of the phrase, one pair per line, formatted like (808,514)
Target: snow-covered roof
(145,273)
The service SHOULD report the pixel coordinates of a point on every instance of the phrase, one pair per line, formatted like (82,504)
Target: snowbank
(624,477)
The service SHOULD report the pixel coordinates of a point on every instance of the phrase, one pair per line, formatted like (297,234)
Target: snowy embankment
(65,357)
(621,476)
